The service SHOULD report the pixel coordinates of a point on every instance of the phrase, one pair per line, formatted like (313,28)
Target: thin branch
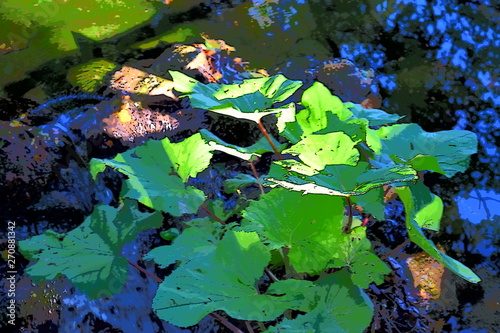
(212,215)
(226,323)
(263,130)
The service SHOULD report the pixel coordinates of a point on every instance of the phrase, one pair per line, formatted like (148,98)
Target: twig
(212,215)
(263,130)
(226,323)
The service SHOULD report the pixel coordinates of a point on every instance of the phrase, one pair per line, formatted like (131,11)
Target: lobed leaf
(319,150)
(339,306)
(445,152)
(157,170)
(90,255)
(226,280)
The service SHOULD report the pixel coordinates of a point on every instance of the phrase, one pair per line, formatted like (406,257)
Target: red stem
(151,275)
(212,215)
(226,323)
(263,130)
(256,175)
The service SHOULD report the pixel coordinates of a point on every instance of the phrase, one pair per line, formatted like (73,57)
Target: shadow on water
(435,62)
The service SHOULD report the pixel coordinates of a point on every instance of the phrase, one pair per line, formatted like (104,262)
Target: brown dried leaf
(427,274)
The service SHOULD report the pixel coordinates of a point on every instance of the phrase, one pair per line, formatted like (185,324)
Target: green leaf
(307,225)
(354,251)
(226,280)
(318,101)
(339,306)
(156,171)
(375,117)
(246,100)
(408,143)
(342,180)
(90,255)
(372,202)
(317,151)
(192,243)
(418,237)
(241,180)
(245,153)
(425,206)
(189,157)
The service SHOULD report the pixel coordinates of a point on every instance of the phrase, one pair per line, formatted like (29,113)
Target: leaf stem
(262,326)
(151,275)
(256,175)
(212,215)
(226,323)
(347,227)
(249,327)
(271,275)
(263,130)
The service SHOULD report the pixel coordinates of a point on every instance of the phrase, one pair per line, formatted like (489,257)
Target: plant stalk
(151,275)
(256,175)
(212,215)
(263,130)
(347,228)
(226,323)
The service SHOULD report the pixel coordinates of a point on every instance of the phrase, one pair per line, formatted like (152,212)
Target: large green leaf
(311,227)
(318,102)
(308,225)
(426,207)
(246,100)
(191,243)
(226,280)
(90,255)
(445,152)
(417,236)
(354,251)
(319,150)
(157,171)
(342,180)
(338,306)
(375,117)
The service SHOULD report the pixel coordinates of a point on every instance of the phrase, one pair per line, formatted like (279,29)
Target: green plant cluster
(296,258)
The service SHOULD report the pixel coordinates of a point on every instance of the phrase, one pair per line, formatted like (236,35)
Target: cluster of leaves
(294,249)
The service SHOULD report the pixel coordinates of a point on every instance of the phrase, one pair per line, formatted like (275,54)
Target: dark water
(436,62)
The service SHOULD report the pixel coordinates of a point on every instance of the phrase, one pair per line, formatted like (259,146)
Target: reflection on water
(478,205)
